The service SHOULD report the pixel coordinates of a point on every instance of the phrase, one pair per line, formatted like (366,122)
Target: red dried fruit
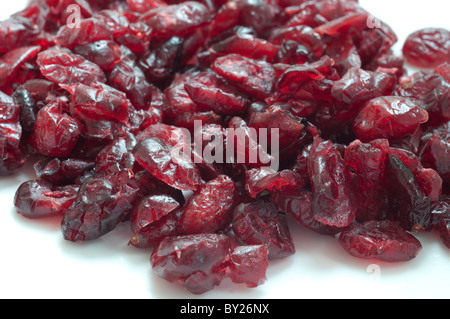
(64,67)
(389,117)
(382,240)
(11,157)
(106,54)
(172,167)
(55,133)
(40,199)
(259,223)
(88,31)
(435,154)
(252,77)
(260,179)
(150,210)
(176,19)
(248,265)
(407,201)
(298,205)
(101,204)
(196,261)
(427,48)
(333,197)
(208,209)
(211,93)
(62,172)
(11,61)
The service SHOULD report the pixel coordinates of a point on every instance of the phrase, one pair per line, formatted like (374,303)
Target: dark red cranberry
(382,240)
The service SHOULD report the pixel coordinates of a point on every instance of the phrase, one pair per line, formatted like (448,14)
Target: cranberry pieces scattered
(208,126)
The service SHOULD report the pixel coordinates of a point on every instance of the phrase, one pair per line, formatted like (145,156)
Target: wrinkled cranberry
(382,240)
(196,261)
(259,223)
(333,196)
(62,171)
(208,210)
(101,204)
(167,164)
(40,199)
(55,133)
(252,77)
(427,48)
(389,117)
(248,265)
(64,67)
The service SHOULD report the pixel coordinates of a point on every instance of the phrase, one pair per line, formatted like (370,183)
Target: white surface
(35,261)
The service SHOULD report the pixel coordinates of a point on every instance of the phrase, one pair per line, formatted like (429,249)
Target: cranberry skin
(248,265)
(176,19)
(252,77)
(55,133)
(333,197)
(389,117)
(209,209)
(64,67)
(435,154)
(11,157)
(16,31)
(39,199)
(408,203)
(427,48)
(259,223)
(178,99)
(211,93)
(444,71)
(89,30)
(172,167)
(352,23)
(185,259)
(102,203)
(116,156)
(381,240)
(298,205)
(150,210)
(142,6)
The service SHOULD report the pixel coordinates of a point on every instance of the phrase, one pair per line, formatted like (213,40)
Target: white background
(35,261)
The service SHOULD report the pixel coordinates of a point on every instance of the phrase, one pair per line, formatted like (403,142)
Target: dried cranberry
(40,199)
(259,223)
(248,265)
(252,77)
(333,196)
(382,240)
(64,67)
(101,204)
(208,210)
(427,48)
(389,117)
(196,261)
(55,133)
(173,167)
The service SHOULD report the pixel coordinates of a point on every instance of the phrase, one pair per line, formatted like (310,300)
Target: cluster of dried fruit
(100,104)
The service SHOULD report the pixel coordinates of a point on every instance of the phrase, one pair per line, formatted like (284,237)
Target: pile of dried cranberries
(120,106)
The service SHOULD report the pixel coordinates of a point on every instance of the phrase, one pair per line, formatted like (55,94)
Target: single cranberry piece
(259,223)
(61,66)
(172,167)
(248,265)
(150,210)
(40,199)
(333,196)
(105,53)
(102,203)
(382,240)
(209,209)
(435,154)
(198,262)
(62,171)
(389,117)
(252,77)
(11,62)
(427,48)
(55,133)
